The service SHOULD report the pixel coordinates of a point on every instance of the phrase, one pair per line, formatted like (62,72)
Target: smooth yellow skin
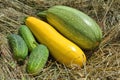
(63,50)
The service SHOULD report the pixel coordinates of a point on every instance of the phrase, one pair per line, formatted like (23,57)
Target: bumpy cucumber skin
(18,46)
(37,59)
(75,25)
(28,37)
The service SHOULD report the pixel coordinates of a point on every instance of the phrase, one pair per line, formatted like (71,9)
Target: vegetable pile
(71,31)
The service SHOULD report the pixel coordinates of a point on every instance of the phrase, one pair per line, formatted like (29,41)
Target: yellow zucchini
(63,50)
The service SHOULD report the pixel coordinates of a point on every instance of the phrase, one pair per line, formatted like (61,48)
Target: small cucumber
(18,46)
(27,35)
(37,60)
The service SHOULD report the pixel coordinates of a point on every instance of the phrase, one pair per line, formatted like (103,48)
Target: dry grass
(102,64)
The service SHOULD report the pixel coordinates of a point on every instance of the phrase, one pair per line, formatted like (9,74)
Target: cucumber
(18,47)
(28,37)
(37,59)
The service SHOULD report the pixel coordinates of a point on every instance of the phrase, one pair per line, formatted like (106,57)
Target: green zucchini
(18,47)
(74,25)
(37,59)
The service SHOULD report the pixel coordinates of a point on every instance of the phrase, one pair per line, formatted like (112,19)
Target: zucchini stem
(42,14)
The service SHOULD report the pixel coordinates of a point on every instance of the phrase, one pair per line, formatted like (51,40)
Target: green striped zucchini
(75,25)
